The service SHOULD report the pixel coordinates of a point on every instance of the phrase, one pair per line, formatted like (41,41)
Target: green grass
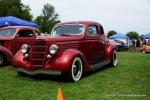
(130,77)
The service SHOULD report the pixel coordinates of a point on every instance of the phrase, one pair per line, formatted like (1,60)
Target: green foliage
(15,8)
(112,32)
(47,19)
(133,35)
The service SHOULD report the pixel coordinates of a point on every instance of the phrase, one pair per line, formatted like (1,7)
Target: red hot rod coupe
(72,48)
(11,39)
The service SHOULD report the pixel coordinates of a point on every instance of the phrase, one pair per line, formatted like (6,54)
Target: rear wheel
(114,59)
(76,70)
(1,60)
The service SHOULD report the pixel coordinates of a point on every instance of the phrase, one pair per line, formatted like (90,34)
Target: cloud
(120,15)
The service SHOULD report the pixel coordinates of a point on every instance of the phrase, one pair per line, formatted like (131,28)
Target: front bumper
(35,72)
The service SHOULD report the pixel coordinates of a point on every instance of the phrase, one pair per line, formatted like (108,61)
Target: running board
(99,65)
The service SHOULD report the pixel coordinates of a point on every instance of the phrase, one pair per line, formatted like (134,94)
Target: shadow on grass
(60,78)
(98,70)
(5,64)
(40,77)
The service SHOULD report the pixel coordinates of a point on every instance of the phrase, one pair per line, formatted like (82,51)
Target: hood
(6,38)
(61,38)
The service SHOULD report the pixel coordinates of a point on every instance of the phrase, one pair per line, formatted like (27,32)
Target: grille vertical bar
(38,53)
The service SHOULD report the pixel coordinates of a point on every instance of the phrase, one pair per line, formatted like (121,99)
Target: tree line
(15,8)
(46,20)
(132,34)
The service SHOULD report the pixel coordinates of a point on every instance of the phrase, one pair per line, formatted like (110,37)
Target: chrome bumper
(45,72)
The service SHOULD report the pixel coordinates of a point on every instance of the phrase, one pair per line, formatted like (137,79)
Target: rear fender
(109,50)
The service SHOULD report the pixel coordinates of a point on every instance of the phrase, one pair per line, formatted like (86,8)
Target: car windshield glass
(66,30)
(7,32)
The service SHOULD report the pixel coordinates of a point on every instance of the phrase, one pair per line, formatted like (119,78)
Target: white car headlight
(24,48)
(53,48)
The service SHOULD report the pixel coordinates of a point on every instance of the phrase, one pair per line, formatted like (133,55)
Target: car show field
(128,81)
(74,50)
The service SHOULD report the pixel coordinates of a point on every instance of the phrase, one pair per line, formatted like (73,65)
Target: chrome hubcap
(76,71)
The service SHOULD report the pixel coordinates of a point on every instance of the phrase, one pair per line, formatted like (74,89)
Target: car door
(23,36)
(93,45)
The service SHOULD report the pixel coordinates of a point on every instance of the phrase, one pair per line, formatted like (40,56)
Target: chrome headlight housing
(53,49)
(24,48)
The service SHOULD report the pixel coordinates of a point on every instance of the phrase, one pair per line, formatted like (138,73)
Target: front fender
(64,60)
(18,61)
(7,53)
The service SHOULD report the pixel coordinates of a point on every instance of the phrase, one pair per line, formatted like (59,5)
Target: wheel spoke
(77,69)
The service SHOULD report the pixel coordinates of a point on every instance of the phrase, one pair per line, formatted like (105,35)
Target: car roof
(80,22)
(20,27)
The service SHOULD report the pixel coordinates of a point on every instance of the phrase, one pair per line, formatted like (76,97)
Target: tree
(112,32)
(15,8)
(133,35)
(26,15)
(47,19)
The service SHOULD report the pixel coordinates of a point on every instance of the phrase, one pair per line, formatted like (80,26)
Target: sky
(119,15)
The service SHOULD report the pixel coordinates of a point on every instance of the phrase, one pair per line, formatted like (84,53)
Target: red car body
(146,47)
(10,41)
(76,53)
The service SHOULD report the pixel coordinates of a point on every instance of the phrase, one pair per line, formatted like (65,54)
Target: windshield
(7,32)
(67,30)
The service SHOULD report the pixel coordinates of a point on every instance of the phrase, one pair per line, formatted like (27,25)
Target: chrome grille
(38,53)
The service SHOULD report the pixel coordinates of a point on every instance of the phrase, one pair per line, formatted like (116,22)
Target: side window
(92,30)
(101,30)
(37,33)
(25,33)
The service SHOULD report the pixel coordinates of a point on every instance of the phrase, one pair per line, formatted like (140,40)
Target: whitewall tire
(114,60)
(76,69)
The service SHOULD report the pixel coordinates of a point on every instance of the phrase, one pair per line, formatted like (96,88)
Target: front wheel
(114,59)
(1,60)
(76,69)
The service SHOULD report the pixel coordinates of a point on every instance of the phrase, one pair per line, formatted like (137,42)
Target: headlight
(53,48)
(24,48)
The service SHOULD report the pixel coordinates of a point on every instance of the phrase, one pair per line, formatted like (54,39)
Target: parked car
(121,44)
(72,48)
(11,39)
(117,44)
(146,47)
